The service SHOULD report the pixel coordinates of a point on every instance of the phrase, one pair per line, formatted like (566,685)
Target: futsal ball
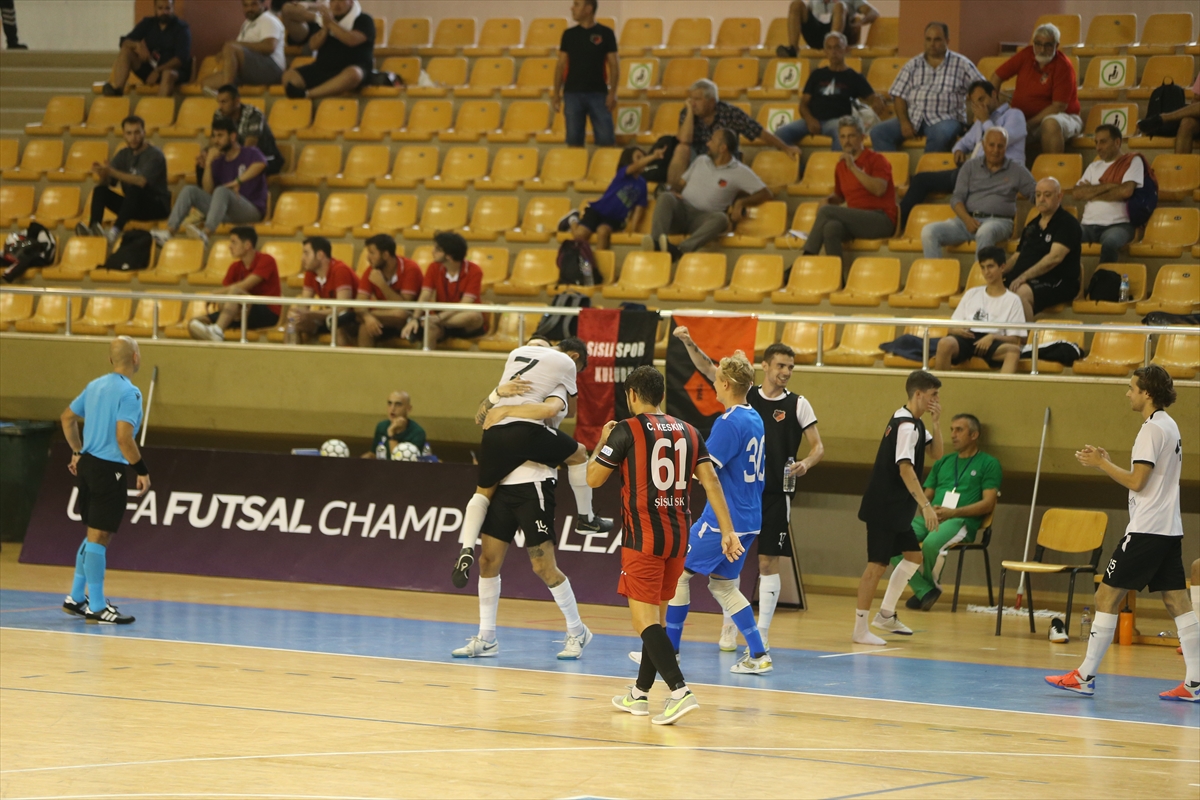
(405,451)
(335,448)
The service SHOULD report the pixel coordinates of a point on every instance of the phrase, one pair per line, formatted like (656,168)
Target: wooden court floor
(85,713)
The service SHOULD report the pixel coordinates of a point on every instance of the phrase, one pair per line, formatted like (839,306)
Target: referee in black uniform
(111,410)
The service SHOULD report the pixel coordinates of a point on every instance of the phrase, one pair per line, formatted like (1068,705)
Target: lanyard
(965,468)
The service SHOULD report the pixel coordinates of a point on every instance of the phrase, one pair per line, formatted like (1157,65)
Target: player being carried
(523,435)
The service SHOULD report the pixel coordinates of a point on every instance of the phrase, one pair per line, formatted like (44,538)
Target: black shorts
(256,317)
(347,320)
(102,497)
(1052,293)
(814,31)
(525,506)
(506,447)
(592,221)
(463,333)
(774,539)
(316,73)
(1147,559)
(966,350)
(184,70)
(885,542)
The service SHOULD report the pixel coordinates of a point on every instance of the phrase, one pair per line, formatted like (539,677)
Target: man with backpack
(1169,114)
(1107,185)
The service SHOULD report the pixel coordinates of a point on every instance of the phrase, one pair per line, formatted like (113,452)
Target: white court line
(860,652)
(595,748)
(599,675)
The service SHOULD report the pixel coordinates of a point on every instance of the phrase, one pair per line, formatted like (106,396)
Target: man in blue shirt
(111,407)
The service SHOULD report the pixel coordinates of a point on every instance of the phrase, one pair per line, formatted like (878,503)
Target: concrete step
(57,58)
(75,79)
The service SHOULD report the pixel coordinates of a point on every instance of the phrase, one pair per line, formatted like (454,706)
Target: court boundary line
(461,663)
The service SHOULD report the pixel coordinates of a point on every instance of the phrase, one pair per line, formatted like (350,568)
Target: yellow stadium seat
(637,75)
(1069,28)
(870,280)
(209,66)
(930,283)
(407,68)
(523,119)
(103,117)
(764,337)
(363,163)
(601,171)
(316,162)
(215,268)
(391,214)
(157,112)
(812,279)
(935,332)
(818,175)
(759,225)
(1162,33)
(686,36)
(487,77)
(883,39)
(773,116)
(696,277)
(1112,354)
(922,215)
(638,35)
(293,210)
(78,166)
(777,34)
(13,308)
(452,34)
(102,314)
(289,116)
(334,116)
(1158,68)
(532,272)
(80,255)
(414,164)
(988,66)
(1179,355)
(541,38)
(859,346)
(511,168)
(143,321)
(735,75)
(461,166)
(802,221)
(496,35)
(508,335)
(936,162)
(802,338)
(641,275)
(195,117)
(426,118)
(380,117)
(540,221)
(1066,167)
(15,202)
(493,261)
(51,315)
(974,278)
(534,79)
(475,118)
(666,122)
(678,76)
(1042,338)
(1123,115)
(1137,291)
(40,157)
(179,330)
(491,217)
(343,212)
(1178,175)
(56,205)
(778,170)
(754,278)
(9,153)
(557,134)
(1108,33)
(1168,233)
(445,74)
(287,254)
(782,78)
(442,212)
(561,168)
(1176,290)
(409,32)
(176,259)
(1108,77)
(62,112)
(899,162)
(736,36)
(882,73)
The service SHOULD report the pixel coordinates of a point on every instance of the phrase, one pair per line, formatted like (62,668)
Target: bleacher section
(481,152)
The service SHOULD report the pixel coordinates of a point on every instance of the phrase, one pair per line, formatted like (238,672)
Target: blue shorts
(705,557)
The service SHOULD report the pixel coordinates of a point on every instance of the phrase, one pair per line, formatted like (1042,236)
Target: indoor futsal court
(255,689)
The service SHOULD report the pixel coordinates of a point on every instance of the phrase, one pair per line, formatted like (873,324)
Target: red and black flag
(618,341)
(690,396)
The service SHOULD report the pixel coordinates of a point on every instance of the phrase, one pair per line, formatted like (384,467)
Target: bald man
(396,428)
(1045,271)
(101,462)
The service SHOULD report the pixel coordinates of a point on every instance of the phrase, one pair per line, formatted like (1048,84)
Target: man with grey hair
(984,199)
(704,112)
(828,96)
(1046,92)
(1046,271)
(863,203)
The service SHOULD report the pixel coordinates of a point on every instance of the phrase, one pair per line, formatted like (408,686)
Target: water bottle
(428,450)
(1085,624)
(290,336)
(789,480)
(1124,288)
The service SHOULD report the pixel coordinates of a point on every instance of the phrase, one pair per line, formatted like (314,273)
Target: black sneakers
(564,224)
(462,567)
(108,616)
(930,598)
(80,609)
(784,51)
(594,525)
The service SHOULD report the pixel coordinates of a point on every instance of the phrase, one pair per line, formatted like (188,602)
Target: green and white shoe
(674,710)
(638,706)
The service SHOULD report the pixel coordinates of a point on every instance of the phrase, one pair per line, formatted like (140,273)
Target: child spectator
(622,205)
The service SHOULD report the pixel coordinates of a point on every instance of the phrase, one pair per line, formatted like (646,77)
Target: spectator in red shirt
(449,279)
(389,279)
(252,273)
(862,182)
(1046,93)
(329,279)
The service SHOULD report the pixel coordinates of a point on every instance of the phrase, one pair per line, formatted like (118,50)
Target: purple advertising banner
(343,521)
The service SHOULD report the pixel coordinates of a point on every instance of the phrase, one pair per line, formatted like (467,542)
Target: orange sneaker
(1184,692)
(1073,682)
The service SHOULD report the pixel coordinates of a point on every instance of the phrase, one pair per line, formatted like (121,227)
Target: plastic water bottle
(290,336)
(789,480)
(428,450)
(1124,288)
(1085,624)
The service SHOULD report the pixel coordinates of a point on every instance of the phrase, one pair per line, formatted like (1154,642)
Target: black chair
(983,539)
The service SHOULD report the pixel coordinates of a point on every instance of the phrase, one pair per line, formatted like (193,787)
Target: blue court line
(910,680)
(906,788)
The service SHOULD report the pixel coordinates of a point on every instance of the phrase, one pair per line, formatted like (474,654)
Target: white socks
(489,604)
(1195,590)
(1189,639)
(565,597)
(768,598)
(1103,627)
(900,575)
(473,517)
(577,477)
(862,635)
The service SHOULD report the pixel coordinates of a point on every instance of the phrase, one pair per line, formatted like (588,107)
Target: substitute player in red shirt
(391,278)
(329,279)
(252,273)
(449,279)
(657,455)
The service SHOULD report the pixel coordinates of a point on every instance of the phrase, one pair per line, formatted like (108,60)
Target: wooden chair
(982,539)
(1065,531)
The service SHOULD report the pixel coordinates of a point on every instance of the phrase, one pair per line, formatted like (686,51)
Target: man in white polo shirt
(256,57)
(1106,185)
(707,199)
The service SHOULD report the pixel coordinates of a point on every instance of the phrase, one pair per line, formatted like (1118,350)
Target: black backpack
(1105,285)
(1144,200)
(1166,98)
(576,264)
(556,327)
(657,171)
(33,247)
(132,254)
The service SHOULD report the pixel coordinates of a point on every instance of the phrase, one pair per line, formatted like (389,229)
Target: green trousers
(933,551)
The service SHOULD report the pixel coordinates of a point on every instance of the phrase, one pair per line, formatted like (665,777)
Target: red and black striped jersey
(657,455)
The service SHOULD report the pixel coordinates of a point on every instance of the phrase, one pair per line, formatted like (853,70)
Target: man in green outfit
(396,428)
(963,487)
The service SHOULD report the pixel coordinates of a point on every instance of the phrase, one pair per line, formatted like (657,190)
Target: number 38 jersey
(657,455)
(737,447)
(544,367)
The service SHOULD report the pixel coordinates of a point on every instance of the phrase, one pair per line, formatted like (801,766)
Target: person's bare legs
(292,78)
(344,82)
(1026,295)
(580,233)
(947,349)
(1051,136)
(232,56)
(837,21)
(603,238)
(463,320)
(130,57)
(1010,354)
(797,15)
(295,21)
(229,313)
(1186,137)
(167,83)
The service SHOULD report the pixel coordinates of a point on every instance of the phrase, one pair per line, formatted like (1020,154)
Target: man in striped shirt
(930,94)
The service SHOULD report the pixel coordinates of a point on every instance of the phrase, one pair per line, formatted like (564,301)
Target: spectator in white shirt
(1106,185)
(991,303)
(256,56)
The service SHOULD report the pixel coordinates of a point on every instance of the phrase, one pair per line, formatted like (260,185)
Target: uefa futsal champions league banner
(342,521)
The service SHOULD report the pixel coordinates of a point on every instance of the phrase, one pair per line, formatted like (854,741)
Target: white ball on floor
(335,448)
(405,451)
